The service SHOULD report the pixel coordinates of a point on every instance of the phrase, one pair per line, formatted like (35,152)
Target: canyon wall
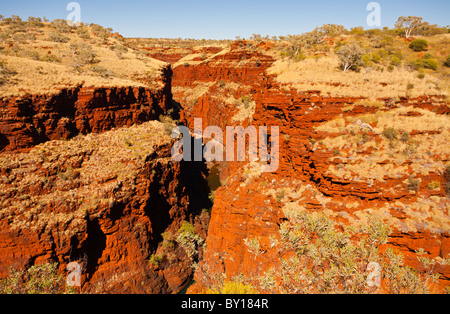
(34,119)
(86,175)
(251,204)
(72,200)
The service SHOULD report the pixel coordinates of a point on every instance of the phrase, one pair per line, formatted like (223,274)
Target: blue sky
(227,18)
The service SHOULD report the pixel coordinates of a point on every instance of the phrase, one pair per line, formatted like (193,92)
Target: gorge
(86,174)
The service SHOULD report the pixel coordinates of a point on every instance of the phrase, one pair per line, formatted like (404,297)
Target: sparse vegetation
(413,185)
(391,134)
(98,57)
(189,239)
(6,74)
(377,150)
(419,45)
(350,57)
(430,64)
(447,62)
(434,185)
(155,260)
(233,287)
(327,260)
(38,279)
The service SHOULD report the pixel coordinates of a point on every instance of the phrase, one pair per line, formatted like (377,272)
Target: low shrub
(419,45)
(58,38)
(416,64)
(413,185)
(155,259)
(102,71)
(405,137)
(189,240)
(421,74)
(395,61)
(38,279)
(430,64)
(391,134)
(447,62)
(328,260)
(434,185)
(51,58)
(233,287)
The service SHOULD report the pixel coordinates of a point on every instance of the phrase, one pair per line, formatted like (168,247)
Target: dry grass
(320,70)
(322,73)
(37,77)
(44,66)
(430,214)
(375,158)
(86,170)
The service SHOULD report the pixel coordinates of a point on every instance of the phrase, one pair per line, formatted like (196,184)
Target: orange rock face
(35,119)
(118,237)
(96,199)
(246,207)
(113,233)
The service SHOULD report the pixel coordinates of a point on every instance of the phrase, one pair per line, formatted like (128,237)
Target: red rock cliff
(251,205)
(34,119)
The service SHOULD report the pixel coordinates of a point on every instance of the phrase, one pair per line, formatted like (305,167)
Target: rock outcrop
(250,205)
(33,119)
(63,203)
(102,200)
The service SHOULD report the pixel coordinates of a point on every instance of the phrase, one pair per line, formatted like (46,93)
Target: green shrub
(416,64)
(38,279)
(421,74)
(294,53)
(51,58)
(395,61)
(359,31)
(58,38)
(326,259)
(6,74)
(419,45)
(155,259)
(434,185)
(391,134)
(186,227)
(189,240)
(430,64)
(447,62)
(405,137)
(233,287)
(367,60)
(376,57)
(397,54)
(83,54)
(102,71)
